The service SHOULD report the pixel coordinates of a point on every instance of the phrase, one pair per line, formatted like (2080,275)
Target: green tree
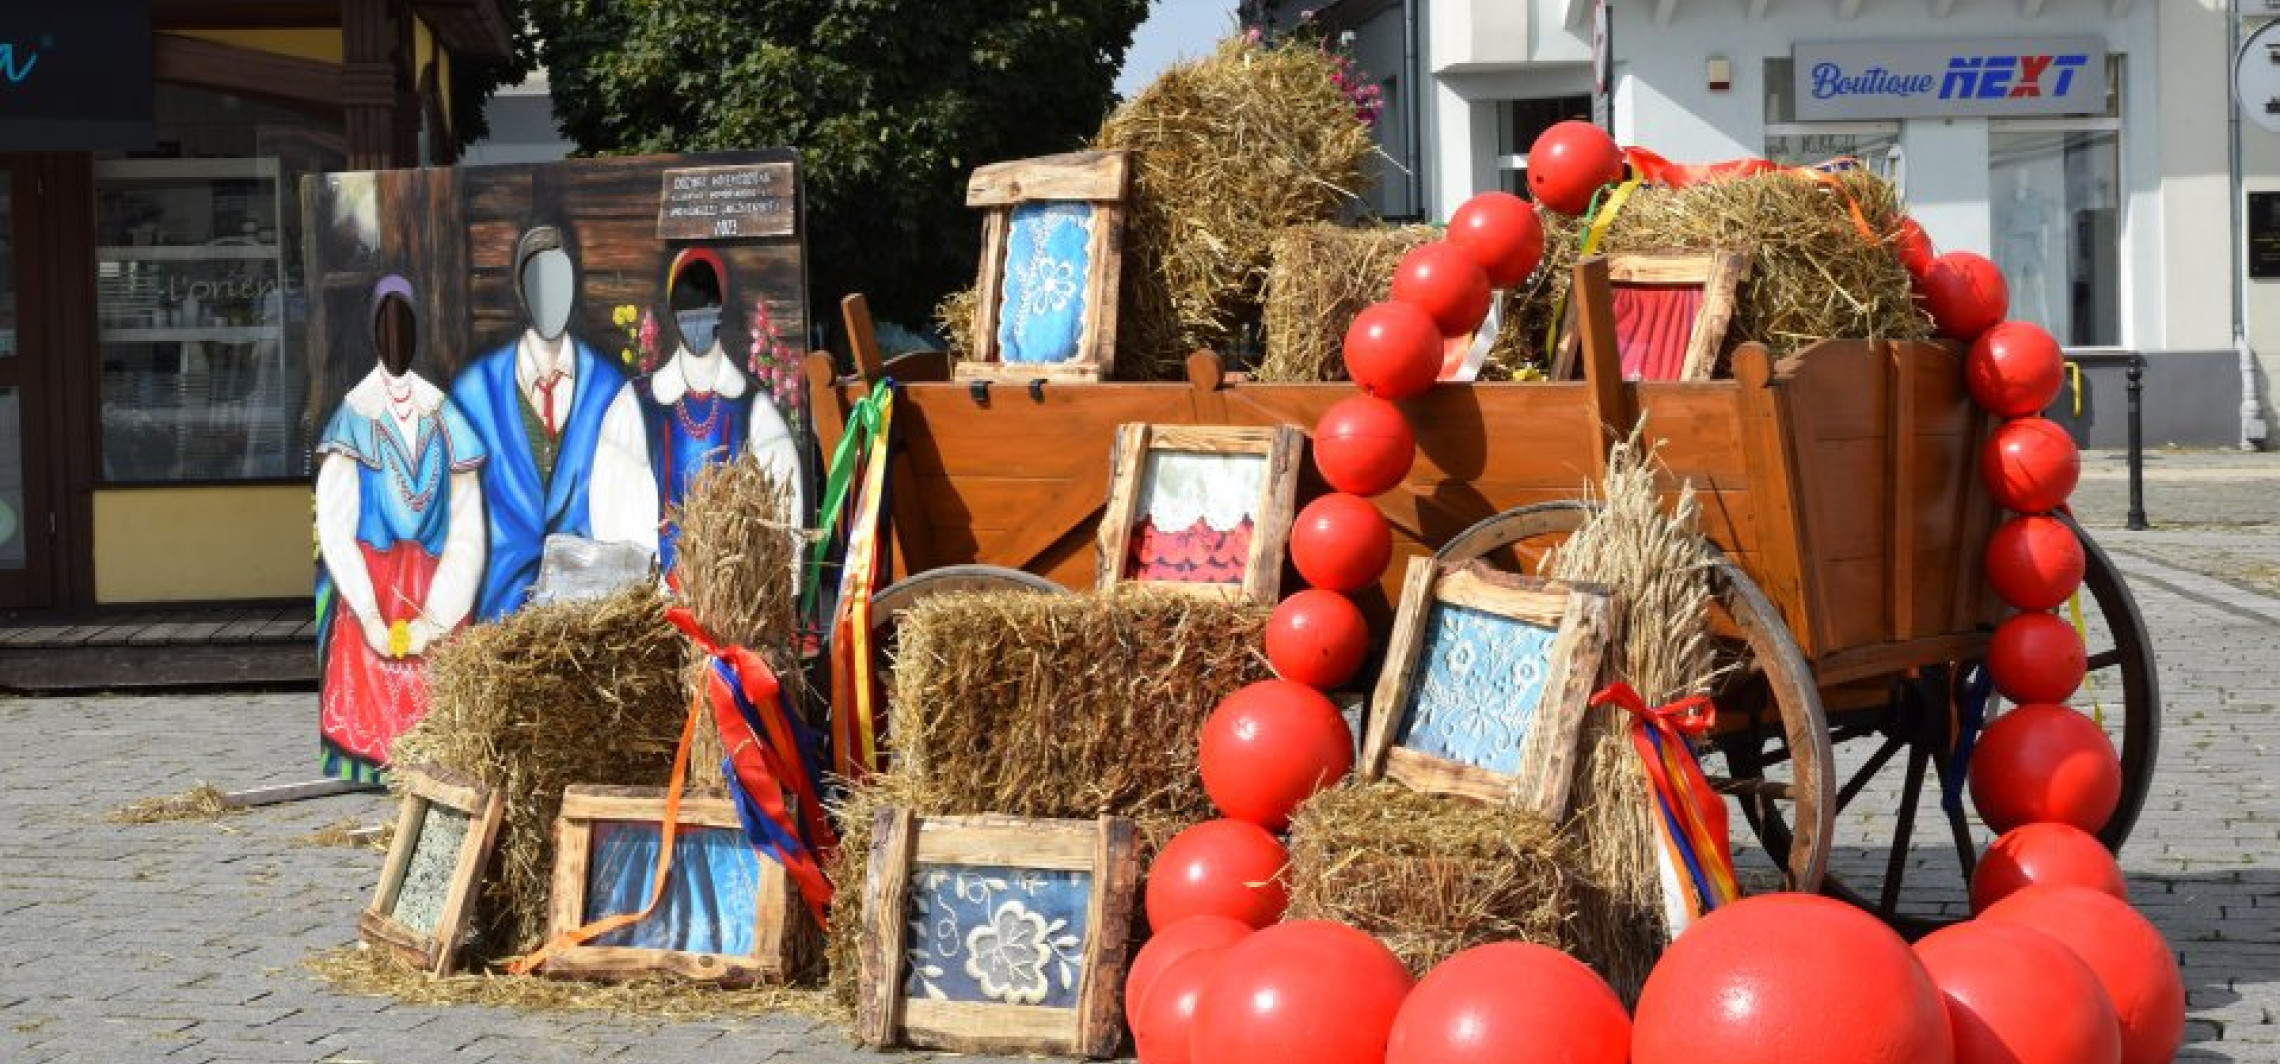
(890,102)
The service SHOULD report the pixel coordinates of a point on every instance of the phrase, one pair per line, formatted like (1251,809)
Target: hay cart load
(1836,483)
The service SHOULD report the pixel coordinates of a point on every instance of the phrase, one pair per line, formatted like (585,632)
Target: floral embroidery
(1048,253)
(1479,680)
(1013,936)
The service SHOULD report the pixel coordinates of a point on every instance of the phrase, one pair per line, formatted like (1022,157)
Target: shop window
(1519,122)
(2054,208)
(199,300)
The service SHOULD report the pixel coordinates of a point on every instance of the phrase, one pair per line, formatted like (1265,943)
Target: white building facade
(2111,213)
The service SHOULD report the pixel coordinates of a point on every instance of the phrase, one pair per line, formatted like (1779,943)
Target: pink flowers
(774,364)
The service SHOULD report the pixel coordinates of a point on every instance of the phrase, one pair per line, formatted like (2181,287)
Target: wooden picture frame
(1206,462)
(783,938)
(1070,205)
(1718,274)
(1445,640)
(440,858)
(928,874)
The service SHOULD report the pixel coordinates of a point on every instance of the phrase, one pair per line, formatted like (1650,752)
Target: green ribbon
(862,430)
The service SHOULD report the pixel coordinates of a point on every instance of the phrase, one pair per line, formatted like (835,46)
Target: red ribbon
(1701,813)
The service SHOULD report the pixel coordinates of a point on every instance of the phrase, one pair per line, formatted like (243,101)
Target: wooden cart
(1838,484)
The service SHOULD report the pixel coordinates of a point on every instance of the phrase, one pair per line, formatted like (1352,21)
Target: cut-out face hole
(547,280)
(696,305)
(395,333)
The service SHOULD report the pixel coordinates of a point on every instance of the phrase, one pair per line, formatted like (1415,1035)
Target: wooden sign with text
(727,203)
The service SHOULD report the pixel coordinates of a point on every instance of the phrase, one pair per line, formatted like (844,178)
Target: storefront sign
(1856,80)
(75,77)
(2264,236)
(726,203)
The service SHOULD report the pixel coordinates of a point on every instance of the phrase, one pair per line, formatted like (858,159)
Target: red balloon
(1502,233)
(1230,868)
(1393,350)
(2030,465)
(1317,638)
(1363,445)
(1169,944)
(1271,746)
(2014,369)
(1790,977)
(1510,1001)
(1163,1022)
(2036,657)
(1443,280)
(1340,542)
(2127,954)
(1912,246)
(2018,996)
(1307,992)
(2045,764)
(2049,854)
(1571,162)
(2034,563)
(1965,293)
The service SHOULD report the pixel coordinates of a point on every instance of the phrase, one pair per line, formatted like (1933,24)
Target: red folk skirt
(370,699)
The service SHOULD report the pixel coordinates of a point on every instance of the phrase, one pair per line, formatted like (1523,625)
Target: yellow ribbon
(1602,219)
(2074,377)
(2074,610)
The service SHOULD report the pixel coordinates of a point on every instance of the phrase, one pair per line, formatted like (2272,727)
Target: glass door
(26,515)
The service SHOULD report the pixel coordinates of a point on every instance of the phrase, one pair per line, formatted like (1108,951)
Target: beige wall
(189,544)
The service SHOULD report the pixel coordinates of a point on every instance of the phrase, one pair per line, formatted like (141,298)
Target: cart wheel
(1771,693)
(1915,720)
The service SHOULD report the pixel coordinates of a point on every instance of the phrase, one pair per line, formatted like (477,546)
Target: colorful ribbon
(1692,814)
(854,694)
(864,427)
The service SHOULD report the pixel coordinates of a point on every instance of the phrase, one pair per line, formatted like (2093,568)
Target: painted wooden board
(1052,250)
(445,828)
(1200,509)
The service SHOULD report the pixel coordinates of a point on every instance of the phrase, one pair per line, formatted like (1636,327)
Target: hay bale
(1229,150)
(571,692)
(737,563)
(1813,276)
(1073,706)
(1318,278)
(954,321)
(1427,875)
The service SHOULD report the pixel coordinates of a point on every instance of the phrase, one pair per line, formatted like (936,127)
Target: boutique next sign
(1857,80)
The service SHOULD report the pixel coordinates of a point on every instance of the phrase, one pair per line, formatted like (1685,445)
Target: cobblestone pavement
(181,943)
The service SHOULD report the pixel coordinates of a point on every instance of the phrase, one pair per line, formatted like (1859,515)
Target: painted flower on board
(1006,957)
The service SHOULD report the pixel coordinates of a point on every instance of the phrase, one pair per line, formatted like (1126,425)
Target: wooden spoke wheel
(1769,696)
(1915,718)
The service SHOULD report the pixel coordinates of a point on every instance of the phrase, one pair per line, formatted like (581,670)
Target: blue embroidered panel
(1478,680)
(711,895)
(1009,936)
(1041,309)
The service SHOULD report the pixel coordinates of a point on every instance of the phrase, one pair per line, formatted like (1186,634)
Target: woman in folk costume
(400,533)
(698,408)
(537,402)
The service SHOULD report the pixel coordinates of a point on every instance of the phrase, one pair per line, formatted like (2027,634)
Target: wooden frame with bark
(1719,274)
(1579,615)
(785,940)
(435,949)
(1103,180)
(1106,849)
(1279,447)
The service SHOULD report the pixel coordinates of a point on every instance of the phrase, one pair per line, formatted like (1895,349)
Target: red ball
(2127,954)
(1163,1021)
(1965,293)
(1912,246)
(2030,465)
(1169,944)
(1511,1001)
(1571,162)
(2034,563)
(2045,764)
(1271,746)
(1502,233)
(1307,992)
(1317,638)
(1340,542)
(2048,854)
(2018,996)
(1230,868)
(1363,445)
(1443,280)
(1790,977)
(2036,657)
(1393,350)
(2014,369)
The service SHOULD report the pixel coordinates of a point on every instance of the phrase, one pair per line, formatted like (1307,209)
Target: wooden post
(862,338)
(1613,416)
(372,93)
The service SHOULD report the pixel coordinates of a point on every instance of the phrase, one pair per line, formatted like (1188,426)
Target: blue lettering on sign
(1831,81)
(2001,77)
(14,65)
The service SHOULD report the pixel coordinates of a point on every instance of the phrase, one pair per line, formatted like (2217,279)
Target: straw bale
(954,321)
(1813,275)
(1229,150)
(1318,278)
(572,692)
(1427,875)
(1074,706)
(737,563)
